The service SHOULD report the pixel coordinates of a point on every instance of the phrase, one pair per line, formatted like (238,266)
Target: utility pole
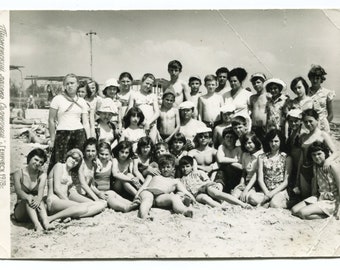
(90,35)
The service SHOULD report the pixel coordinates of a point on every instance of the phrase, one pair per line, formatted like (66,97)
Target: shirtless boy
(257,106)
(168,121)
(180,87)
(204,155)
(159,190)
(209,105)
(195,91)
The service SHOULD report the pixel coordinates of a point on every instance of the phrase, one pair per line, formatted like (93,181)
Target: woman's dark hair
(270,136)
(133,111)
(295,82)
(37,152)
(185,160)
(144,141)
(310,112)
(317,146)
(178,137)
(125,74)
(239,73)
(90,141)
(250,136)
(317,70)
(123,145)
(166,159)
(88,90)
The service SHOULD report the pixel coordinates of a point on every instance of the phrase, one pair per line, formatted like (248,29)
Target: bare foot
(38,228)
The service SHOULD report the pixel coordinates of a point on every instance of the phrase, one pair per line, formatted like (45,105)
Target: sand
(211,233)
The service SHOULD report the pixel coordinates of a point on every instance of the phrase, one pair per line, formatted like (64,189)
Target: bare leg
(32,213)
(129,188)
(146,203)
(205,199)
(295,209)
(220,195)
(43,216)
(256,199)
(311,211)
(75,196)
(118,203)
(173,200)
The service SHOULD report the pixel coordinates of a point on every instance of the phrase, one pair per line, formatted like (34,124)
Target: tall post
(90,35)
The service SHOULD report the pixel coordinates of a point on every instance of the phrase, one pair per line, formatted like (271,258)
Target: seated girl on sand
(203,189)
(251,148)
(274,168)
(122,170)
(63,200)
(159,190)
(145,149)
(133,130)
(325,199)
(102,181)
(30,183)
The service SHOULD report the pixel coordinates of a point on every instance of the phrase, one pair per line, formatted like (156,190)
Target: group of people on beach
(217,145)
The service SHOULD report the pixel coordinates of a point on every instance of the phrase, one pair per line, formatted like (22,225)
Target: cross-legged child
(228,157)
(202,187)
(209,105)
(159,190)
(274,168)
(251,148)
(168,122)
(325,199)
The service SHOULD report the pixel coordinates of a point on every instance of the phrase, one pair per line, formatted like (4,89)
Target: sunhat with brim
(297,113)
(228,108)
(276,81)
(111,82)
(258,75)
(107,105)
(203,130)
(186,105)
(169,91)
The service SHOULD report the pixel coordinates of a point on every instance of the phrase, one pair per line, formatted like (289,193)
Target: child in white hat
(105,128)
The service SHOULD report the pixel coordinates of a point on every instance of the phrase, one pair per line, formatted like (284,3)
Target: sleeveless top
(274,170)
(327,186)
(102,177)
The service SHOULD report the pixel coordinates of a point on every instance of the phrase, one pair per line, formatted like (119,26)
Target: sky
(281,43)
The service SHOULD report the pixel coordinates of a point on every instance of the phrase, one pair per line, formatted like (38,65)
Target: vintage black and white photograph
(162,134)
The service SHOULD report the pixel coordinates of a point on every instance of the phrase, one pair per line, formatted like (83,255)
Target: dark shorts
(228,176)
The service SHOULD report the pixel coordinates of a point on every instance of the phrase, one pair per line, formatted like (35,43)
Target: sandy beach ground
(211,233)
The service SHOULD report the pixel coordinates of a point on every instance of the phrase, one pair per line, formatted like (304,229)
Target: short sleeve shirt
(69,113)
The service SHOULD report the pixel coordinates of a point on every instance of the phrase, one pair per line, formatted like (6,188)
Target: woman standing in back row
(68,121)
(322,95)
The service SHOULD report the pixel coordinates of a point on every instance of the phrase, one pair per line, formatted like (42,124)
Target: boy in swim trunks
(202,187)
(159,190)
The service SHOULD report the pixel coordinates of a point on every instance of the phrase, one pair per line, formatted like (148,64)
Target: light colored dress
(327,190)
(322,96)
(274,170)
